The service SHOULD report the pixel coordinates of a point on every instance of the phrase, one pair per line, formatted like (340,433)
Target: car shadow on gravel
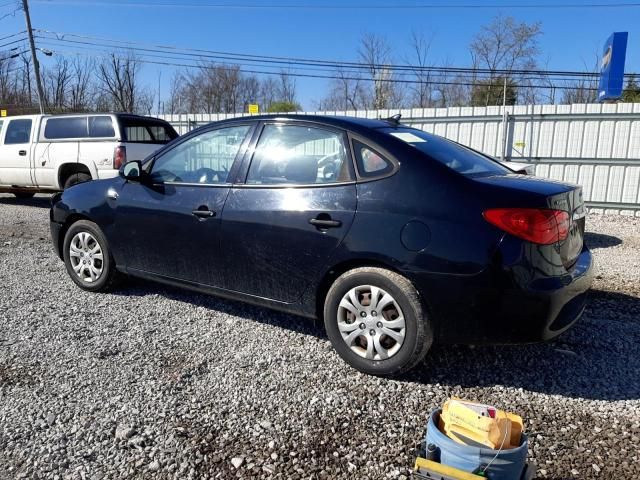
(141,288)
(600,240)
(38,201)
(596,359)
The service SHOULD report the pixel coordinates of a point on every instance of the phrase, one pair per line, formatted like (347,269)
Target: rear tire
(24,195)
(75,179)
(396,334)
(88,258)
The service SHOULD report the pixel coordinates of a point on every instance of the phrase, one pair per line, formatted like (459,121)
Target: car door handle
(22,153)
(325,223)
(203,213)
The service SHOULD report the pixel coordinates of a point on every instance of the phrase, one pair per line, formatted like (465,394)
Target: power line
(431,75)
(14,42)
(296,61)
(344,6)
(13,35)
(330,77)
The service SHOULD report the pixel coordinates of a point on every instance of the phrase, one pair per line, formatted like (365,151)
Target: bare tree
(584,90)
(249,91)
(421,93)
(56,82)
(286,88)
(504,47)
(346,92)
(118,78)
(376,53)
(176,94)
(81,88)
(268,93)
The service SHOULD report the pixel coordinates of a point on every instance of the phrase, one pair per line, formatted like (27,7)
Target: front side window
(18,131)
(206,158)
(68,127)
(292,154)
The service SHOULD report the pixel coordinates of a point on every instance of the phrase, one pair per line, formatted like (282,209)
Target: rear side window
(291,154)
(143,131)
(74,127)
(18,131)
(370,163)
(455,156)
(101,127)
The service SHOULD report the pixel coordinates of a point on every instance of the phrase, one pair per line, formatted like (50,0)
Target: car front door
(169,224)
(15,153)
(292,212)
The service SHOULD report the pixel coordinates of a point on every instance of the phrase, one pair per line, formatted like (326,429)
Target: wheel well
(71,219)
(69,169)
(337,270)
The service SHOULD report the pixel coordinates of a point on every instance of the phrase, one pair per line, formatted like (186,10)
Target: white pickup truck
(48,153)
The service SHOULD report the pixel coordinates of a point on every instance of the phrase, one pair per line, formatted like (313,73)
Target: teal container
(508,464)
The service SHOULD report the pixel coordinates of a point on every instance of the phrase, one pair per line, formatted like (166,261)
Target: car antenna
(394,119)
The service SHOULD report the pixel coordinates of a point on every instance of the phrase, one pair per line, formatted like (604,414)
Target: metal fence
(594,145)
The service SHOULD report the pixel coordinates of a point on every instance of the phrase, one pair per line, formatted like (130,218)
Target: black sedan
(394,237)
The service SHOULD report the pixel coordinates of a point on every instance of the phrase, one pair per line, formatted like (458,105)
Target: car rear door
(170,225)
(292,212)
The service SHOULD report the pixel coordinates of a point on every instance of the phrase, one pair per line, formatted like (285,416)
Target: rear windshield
(457,157)
(139,130)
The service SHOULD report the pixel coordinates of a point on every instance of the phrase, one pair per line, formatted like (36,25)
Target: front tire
(88,258)
(376,322)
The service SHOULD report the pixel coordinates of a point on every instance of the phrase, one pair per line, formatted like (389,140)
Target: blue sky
(571,36)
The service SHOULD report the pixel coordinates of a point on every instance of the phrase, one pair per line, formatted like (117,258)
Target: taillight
(536,225)
(119,157)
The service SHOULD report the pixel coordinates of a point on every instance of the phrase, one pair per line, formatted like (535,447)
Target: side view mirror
(132,171)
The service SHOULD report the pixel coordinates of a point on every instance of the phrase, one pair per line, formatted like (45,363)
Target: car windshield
(457,157)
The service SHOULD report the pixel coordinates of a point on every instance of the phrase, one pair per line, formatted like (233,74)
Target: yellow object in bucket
(480,425)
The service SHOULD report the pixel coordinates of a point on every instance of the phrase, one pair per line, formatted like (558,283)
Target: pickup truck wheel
(88,258)
(76,178)
(376,322)
(23,195)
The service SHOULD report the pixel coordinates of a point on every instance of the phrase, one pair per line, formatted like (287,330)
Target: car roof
(347,123)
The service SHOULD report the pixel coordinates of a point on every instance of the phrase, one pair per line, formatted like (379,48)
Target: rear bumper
(506,305)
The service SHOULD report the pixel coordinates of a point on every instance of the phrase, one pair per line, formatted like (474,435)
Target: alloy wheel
(86,257)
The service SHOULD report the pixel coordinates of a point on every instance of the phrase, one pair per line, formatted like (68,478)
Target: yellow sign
(253,108)
(520,144)
(3,113)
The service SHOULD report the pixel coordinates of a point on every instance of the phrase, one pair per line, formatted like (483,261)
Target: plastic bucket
(507,465)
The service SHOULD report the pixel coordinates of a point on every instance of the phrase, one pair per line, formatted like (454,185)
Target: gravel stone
(114,385)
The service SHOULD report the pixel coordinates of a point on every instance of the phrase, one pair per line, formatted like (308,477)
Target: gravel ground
(152,382)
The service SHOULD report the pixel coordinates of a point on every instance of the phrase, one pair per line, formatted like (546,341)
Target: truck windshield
(455,156)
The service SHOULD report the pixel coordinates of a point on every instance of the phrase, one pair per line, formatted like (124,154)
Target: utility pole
(36,65)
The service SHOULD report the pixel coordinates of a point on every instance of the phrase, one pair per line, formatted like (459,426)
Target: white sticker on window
(408,137)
